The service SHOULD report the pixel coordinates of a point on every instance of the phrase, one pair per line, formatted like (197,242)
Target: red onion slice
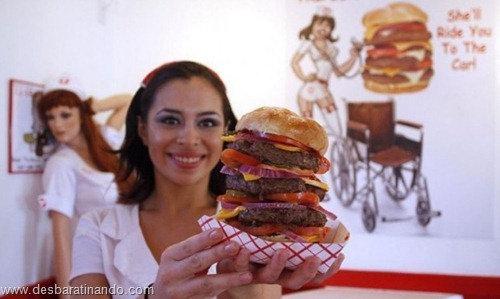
(258,205)
(228,170)
(266,173)
(327,213)
(275,205)
(293,236)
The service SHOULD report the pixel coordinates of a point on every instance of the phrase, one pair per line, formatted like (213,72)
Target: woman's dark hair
(306,32)
(134,157)
(100,151)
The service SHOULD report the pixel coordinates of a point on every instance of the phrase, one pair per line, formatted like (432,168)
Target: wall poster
(28,137)
(430,66)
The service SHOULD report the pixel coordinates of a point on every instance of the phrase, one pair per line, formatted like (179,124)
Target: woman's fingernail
(245,277)
(341,258)
(231,248)
(283,257)
(314,265)
(215,234)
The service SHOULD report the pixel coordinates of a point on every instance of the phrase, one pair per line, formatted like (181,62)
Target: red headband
(151,74)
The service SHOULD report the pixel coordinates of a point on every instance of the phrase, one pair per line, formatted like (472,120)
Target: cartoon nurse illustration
(318,43)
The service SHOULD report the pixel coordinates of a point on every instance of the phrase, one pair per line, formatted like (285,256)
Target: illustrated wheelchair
(378,146)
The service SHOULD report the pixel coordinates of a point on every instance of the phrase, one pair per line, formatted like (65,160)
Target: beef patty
(271,155)
(285,216)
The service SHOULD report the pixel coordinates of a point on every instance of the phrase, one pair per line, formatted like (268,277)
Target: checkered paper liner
(261,250)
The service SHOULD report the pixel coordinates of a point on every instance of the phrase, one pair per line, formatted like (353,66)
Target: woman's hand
(307,272)
(183,267)
(275,273)
(356,48)
(118,105)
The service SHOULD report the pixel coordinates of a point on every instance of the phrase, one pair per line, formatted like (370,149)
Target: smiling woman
(171,150)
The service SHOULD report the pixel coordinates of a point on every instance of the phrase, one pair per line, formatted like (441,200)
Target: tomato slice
(424,64)
(306,198)
(324,165)
(312,233)
(235,199)
(382,52)
(311,230)
(268,229)
(405,26)
(234,158)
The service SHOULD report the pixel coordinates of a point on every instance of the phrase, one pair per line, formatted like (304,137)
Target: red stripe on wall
(471,287)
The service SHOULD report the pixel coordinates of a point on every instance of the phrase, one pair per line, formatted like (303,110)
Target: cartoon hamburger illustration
(398,49)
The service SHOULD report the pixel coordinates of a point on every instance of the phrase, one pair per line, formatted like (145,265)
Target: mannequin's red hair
(100,151)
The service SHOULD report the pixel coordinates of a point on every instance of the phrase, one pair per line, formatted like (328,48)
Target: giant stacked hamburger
(398,49)
(271,164)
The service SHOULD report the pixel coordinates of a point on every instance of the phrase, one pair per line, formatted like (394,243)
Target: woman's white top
(110,242)
(323,61)
(72,188)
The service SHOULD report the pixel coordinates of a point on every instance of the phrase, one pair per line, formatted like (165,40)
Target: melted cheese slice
(391,72)
(412,76)
(250,177)
(228,138)
(227,213)
(315,183)
(289,148)
(417,54)
(401,46)
(370,31)
(311,239)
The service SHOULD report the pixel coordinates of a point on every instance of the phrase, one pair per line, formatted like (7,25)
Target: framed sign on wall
(28,138)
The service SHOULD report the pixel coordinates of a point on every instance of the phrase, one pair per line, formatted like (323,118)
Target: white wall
(39,39)
(111,44)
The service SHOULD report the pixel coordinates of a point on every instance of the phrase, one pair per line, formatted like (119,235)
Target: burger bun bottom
(396,87)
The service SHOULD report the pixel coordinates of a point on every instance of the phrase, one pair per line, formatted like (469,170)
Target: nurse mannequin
(79,175)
